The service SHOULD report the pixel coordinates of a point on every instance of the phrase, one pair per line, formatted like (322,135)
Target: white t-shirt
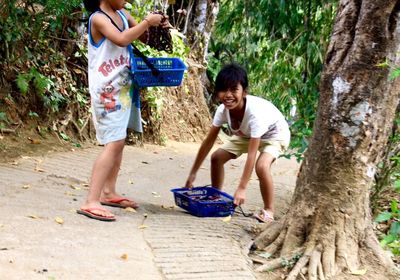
(261,120)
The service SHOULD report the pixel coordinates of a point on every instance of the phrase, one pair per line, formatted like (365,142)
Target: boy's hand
(190,180)
(239,197)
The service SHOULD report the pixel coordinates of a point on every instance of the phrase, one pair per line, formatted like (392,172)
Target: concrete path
(42,237)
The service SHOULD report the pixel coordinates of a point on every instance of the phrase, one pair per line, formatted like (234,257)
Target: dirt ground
(41,236)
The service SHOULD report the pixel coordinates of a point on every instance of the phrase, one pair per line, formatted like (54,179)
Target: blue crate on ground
(189,200)
(171,72)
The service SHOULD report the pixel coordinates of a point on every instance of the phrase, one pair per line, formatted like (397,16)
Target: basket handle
(134,50)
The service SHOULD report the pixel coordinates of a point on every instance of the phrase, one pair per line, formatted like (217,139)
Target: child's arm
(202,153)
(102,25)
(240,194)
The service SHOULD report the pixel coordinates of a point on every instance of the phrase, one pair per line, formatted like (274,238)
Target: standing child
(257,125)
(110,30)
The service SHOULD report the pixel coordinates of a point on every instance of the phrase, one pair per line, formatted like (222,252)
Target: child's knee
(263,168)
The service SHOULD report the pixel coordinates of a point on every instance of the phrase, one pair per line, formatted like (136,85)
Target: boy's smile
(233,98)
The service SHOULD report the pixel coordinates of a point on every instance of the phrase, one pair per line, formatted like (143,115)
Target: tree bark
(329,215)
(199,32)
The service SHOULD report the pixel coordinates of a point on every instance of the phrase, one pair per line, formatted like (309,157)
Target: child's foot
(97,213)
(118,201)
(264,216)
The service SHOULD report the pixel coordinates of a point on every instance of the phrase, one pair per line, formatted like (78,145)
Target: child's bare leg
(102,168)
(109,189)
(218,159)
(263,171)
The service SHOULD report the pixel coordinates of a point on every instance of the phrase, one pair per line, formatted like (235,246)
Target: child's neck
(238,113)
(106,7)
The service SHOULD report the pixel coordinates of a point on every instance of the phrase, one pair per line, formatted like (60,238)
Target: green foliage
(388,179)
(392,238)
(3,120)
(40,82)
(283,54)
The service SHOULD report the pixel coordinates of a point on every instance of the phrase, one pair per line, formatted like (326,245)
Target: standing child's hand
(190,180)
(165,23)
(239,196)
(154,19)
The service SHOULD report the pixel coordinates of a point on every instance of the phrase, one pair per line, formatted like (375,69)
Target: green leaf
(64,136)
(394,74)
(394,206)
(23,82)
(382,217)
(387,239)
(397,185)
(395,228)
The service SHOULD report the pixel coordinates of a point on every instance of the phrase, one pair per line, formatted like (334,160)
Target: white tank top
(109,86)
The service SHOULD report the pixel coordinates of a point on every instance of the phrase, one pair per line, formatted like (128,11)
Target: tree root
(267,236)
(279,262)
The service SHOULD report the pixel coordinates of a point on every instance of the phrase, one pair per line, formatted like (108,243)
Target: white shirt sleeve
(220,117)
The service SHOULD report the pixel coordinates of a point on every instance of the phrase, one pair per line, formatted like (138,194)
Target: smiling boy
(257,125)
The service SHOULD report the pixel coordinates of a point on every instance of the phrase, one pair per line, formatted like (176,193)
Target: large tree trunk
(329,221)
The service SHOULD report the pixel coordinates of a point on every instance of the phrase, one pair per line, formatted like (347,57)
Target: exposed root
(321,274)
(271,265)
(315,260)
(302,262)
(279,262)
(372,244)
(274,246)
(267,236)
(328,255)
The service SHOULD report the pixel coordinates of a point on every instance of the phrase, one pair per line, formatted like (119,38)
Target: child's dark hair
(91,5)
(229,77)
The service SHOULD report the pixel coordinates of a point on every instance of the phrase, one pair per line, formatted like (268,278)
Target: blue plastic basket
(171,72)
(196,202)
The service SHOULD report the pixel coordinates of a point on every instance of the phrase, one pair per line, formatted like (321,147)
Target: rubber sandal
(118,202)
(263,216)
(88,212)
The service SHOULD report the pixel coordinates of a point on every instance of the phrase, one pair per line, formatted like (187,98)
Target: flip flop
(88,212)
(118,202)
(263,216)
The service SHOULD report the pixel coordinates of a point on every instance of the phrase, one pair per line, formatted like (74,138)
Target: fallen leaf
(130,209)
(59,220)
(74,187)
(359,272)
(15,162)
(38,169)
(130,181)
(34,141)
(155,194)
(25,187)
(145,162)
(33,217)
(168,207)
(264,255)
(227,219)
(142,227)
(145,215)
(124,257)
(70,194)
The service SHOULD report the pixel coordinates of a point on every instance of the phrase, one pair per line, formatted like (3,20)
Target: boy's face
(233,97)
